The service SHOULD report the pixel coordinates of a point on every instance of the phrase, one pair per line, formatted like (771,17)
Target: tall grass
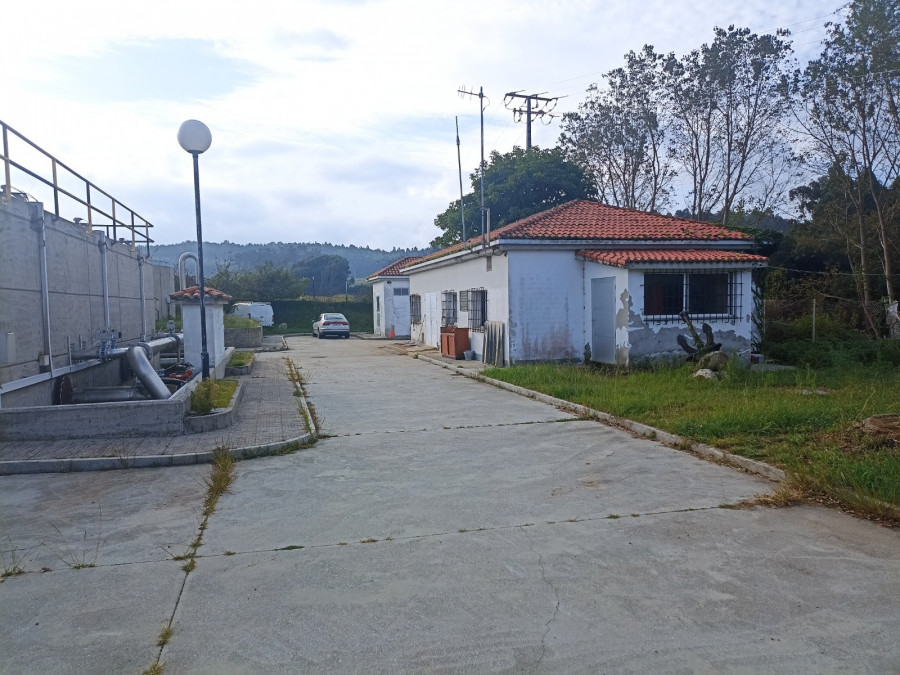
(803,420)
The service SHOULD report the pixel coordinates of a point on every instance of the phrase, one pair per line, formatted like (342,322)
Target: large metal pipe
(146,373)
(152,347)
(181,273)
(37,222)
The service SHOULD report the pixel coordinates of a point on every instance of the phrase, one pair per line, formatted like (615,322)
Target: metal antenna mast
(462,209)
(463,92)
(536,105)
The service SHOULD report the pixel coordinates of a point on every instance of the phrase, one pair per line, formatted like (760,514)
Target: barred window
(401,291)
(415,308)
(477,308)
(712,295)
(448,308)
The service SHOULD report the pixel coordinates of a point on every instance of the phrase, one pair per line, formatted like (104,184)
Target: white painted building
(587,276)
(390,300)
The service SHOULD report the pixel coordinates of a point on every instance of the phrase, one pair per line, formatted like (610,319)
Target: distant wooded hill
(363,261)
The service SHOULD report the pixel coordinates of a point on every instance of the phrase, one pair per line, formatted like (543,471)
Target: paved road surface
(445,525)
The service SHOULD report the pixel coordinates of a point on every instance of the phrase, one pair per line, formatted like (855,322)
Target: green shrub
(201,398)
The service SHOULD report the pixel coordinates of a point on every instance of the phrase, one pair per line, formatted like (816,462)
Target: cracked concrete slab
(449,526)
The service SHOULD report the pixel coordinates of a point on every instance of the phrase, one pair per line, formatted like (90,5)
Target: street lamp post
(194,137)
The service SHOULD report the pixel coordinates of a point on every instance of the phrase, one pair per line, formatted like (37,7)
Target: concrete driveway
(442,525)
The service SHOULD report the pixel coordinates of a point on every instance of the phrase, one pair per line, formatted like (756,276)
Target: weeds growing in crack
(369,540)
(84,555)
(14,564)
(164,636)
(155,669)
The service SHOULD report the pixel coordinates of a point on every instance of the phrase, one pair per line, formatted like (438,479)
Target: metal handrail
(137,221)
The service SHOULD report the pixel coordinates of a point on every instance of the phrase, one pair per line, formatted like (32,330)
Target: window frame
(449,313)
(477,304)
(722,303)
(415,308)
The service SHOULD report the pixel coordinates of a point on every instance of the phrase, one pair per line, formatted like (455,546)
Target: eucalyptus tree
(618,135)
(727,133)
(847,107)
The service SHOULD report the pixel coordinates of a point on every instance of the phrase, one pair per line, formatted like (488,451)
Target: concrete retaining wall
(244,338)
(76,311)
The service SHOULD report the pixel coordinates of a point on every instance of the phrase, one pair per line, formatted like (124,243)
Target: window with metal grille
(448,308)
(713,294)
(415,308)
(401,291)
(477,308)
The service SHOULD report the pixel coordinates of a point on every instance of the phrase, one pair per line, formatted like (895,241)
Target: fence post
(814,320)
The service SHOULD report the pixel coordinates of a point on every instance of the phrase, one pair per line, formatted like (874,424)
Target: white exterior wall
(547,311)
(394,312)
(650,339)
(215,333)
(465,275)
(593,270)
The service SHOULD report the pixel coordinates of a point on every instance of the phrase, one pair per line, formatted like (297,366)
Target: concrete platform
(268,419)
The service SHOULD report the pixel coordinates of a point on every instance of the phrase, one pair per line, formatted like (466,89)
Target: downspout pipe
(36,212)
(104,273)
(140,258)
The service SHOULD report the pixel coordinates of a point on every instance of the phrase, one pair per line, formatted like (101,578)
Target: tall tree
(517,184)
(618,135)
(847,108)
(727,109)
(331,273)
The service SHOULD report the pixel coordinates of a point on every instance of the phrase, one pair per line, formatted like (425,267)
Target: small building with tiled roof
(214,302)
(585,278)
(390,299)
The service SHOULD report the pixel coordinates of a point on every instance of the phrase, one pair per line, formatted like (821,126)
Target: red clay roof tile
(623,258)
(393,270)
(584,220)
(193,293)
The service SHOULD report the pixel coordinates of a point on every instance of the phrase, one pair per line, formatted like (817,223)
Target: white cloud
(339,122)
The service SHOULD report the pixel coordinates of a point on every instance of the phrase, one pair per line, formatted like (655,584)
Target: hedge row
(300,314)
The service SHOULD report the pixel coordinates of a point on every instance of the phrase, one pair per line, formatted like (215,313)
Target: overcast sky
(331,121)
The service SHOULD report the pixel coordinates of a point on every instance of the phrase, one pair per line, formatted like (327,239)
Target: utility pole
(462,207)
(536,105)
(462,92)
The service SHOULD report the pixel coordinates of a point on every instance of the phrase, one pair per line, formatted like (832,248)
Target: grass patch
(212,393)
(239,359)
(804,421)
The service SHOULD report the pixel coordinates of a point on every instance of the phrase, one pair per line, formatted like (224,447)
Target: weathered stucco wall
(649,339)
(490,273)
(394,308)
(547,306)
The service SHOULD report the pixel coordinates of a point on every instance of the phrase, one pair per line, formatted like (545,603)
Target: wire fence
(820,318)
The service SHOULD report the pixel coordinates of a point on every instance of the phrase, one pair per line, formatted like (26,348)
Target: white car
(331,324)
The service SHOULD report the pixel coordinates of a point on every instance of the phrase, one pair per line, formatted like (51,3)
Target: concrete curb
(30,466)
(638,429)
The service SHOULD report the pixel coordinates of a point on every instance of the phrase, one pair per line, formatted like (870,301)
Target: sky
(331,121)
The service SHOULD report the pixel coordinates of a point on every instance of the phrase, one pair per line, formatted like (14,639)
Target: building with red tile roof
(585,276)
(390,299)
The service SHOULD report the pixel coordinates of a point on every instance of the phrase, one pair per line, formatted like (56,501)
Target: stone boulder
(705,374)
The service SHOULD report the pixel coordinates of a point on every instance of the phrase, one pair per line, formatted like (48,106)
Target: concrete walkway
(441,525)
(268,417)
